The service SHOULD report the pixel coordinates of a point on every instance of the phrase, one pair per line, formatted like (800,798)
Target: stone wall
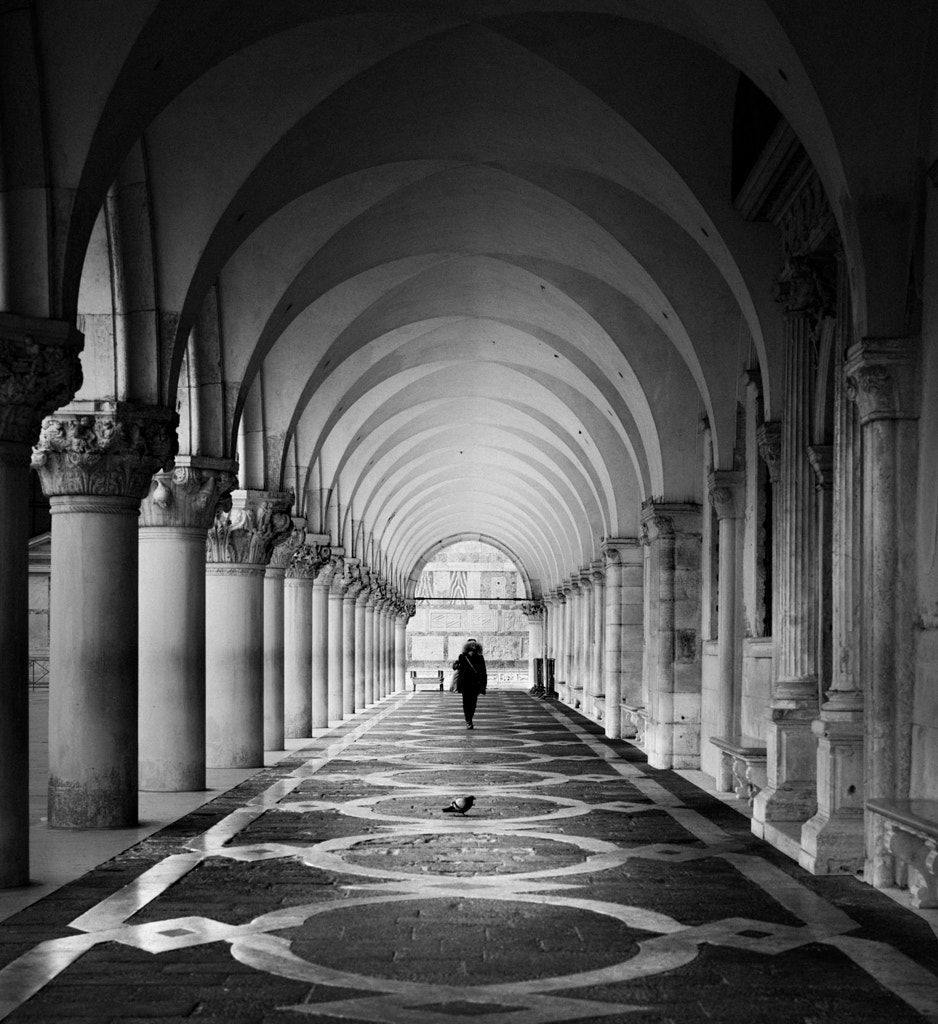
(470,590)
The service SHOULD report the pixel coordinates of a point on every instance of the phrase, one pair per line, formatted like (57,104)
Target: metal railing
(38,673)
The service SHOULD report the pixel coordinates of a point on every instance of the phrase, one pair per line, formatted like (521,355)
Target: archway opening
(469,589)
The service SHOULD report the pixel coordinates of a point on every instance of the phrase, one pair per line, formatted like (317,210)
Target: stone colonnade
(186,620)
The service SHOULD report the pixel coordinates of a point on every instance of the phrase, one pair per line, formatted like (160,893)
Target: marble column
(275,635)
(833,840)
(791,791)
(298,641)
(584,629)
(535,613)
(727,491)
(336,670)
(96,461)
(404,614)
(612,633)
(322,582)
(598,619)
(672,532)
(382,645)
(361,640)
(570,593)
(371,600)
(238,548)
(623,631)
(353,586)
(881,375)
(41,372)
(174,519)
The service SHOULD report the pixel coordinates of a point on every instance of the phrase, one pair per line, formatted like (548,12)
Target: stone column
(790,794)
(238,548)
(404,614)
(612,655)
(570,592)
(371,629)
(361,640)
(174,519)
(534,612)
(353,586)
(275,635)
(584,628)
(298,641)
(39,372)
(598,618)
(336,646)
(881,375)
(728,497)
(95,461)
(381,646)
(833,840)
(322,583)
(672,533)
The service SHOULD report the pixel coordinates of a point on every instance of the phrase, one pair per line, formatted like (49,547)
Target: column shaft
(612,656)
(320,654)
(273,658)
(234,607)
(172,658)
(14,650)
(400,654)
(348,655)
(336,654)
(298,657)
(369,666)
(93,661)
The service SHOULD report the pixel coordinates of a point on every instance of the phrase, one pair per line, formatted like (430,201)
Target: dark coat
(470,667)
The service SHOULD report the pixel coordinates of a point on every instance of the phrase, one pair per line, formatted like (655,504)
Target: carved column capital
(40,371)
(304,562)
(282,555)
(727,490)
(338,581)
(534,611)
(248,533)
(615,550)
(188,494)
(881,379)
(769,439)
(105,449)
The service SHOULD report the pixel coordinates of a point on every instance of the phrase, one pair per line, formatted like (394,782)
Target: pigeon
(460,805)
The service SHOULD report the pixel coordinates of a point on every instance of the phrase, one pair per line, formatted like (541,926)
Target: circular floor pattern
(463,780)
(339,855)
(420,805)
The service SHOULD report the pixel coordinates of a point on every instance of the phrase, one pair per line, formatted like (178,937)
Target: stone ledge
(742,765)
(912,838)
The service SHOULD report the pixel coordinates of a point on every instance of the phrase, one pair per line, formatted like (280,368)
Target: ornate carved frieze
(108,448)
(187,495)
(880,378)
(769,439)
(247,534)
(40,371)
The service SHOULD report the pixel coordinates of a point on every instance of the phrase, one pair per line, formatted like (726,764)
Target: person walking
(471,678)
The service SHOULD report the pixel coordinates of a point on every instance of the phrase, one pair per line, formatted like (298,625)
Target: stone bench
(912,837)
(633,722)
(427,682)
(742,765)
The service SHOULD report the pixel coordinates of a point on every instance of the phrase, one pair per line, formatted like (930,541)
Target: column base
(832,846)
(76,805)
(791,763)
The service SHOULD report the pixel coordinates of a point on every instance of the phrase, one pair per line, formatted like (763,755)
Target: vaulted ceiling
(445,270)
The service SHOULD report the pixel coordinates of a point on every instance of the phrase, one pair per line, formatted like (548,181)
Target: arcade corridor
(582,886)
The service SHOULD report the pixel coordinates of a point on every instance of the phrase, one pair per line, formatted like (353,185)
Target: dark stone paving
(569,892)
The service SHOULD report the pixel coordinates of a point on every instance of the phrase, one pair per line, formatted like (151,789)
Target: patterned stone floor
(582,886)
